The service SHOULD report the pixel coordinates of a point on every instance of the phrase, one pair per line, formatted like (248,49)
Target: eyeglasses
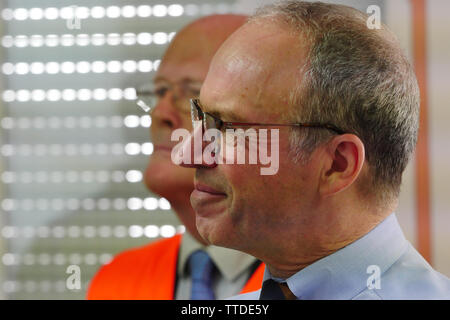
(149,95)
(211,122)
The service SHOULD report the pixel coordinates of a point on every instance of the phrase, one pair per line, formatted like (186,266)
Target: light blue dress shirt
(381,265)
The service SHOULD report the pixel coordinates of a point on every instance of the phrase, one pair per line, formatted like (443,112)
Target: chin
(215,232)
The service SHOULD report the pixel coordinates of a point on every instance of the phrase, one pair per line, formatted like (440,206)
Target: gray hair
(357,79)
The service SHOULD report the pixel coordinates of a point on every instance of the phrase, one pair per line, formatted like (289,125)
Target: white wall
(439,113)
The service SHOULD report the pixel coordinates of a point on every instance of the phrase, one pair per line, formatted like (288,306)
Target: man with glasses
(345,102)
(182,267)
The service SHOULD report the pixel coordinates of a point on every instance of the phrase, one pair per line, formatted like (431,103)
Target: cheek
(161,171)
(241,178)
(249,190)
(186,121)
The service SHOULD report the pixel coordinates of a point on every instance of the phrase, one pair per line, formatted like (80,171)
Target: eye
(226,126)
(160,92)
(191,89)
(212,122)
(220,125)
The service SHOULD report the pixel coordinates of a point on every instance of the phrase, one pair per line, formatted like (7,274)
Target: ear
(344,160)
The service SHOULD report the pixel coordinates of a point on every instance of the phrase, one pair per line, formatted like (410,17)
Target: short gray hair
(357,79)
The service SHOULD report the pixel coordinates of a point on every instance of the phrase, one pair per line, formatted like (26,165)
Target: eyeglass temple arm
(309,125)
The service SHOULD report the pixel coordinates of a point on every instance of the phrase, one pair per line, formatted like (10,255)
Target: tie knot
(272,290)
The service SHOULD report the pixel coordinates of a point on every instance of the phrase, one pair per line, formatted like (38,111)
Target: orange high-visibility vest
(147,273)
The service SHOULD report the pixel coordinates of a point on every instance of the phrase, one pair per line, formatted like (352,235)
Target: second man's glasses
(149,95)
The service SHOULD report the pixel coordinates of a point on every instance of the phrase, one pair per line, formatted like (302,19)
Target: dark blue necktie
(202,268)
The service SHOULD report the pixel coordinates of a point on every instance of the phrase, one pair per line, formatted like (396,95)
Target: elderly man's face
(252,76)
(186,64)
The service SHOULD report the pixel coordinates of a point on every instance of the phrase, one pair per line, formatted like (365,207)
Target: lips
(161,147)
(207,201)
(207,189)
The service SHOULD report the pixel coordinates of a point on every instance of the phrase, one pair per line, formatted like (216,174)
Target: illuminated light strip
(89,231)
(97,12)
(101,149)
(41,123)
(97,39)
(115,12)
(53,95)
(82,67)
(130,176)
(87,204)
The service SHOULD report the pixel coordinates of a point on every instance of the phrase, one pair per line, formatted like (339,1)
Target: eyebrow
(228,116)
(185,79)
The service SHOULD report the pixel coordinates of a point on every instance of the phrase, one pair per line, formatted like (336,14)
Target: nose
(165,113)
(194,152)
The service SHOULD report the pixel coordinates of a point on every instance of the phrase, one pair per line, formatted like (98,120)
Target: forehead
(254,72)
(190,53)
(184,60)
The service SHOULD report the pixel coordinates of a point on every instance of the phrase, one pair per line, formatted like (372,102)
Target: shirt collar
(344,274)
(231,263)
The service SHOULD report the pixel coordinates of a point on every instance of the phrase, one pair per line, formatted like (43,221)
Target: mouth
(162,147)
(204,197)
(207,189)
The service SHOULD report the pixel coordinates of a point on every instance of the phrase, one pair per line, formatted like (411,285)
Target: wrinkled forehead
(258,66)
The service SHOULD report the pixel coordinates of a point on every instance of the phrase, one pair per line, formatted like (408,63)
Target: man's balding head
(214,29)
(199,41)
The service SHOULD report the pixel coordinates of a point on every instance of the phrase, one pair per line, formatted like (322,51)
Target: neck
(326,238)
